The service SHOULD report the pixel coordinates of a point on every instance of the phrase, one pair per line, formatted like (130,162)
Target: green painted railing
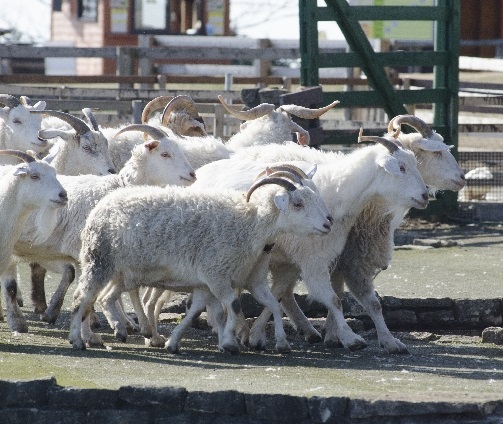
(444,94)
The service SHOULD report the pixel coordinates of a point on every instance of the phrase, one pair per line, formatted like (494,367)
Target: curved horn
(88,113)
(392,146)
(8,100)
(25,100)
(147,129)
(154,104)
(77,124)
(412,121)
(275,180)
(306,113)
(248,115)
(291,169)
(19,154)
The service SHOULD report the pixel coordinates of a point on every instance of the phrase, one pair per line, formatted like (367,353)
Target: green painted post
(309,50)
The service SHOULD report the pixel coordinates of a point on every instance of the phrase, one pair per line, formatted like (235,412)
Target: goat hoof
(283,349)
(121,336)
(49,318)
(172,349)
(78,345)
(357,345)
(232,349)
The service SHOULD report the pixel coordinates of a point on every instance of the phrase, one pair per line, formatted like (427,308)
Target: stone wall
(409,314)
(42,401)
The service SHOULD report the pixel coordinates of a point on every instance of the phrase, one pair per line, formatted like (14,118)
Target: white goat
(78,148)
(370,244)
(18,127)
(264,125)
(242,172)
(157,162)
(348,184)
(370,241)
(180,239)
(25,188)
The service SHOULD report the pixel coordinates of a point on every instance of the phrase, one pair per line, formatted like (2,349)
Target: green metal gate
(444,94)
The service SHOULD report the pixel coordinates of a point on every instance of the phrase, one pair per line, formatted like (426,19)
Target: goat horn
(76,123)
(248,115)
(184,103)
(25,100)
(153,132)
(154,104)
(19,154)
(274,180)
(8,100)
(412,121)
(88,113)
(307,113)
(392,146)
(292,169)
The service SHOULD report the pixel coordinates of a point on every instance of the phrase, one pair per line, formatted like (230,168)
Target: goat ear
(53,133)
(151,145)
(21,172)
(281,201)
(39,105)
(390,164)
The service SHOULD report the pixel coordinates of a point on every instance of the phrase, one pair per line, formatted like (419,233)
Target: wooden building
(98,23)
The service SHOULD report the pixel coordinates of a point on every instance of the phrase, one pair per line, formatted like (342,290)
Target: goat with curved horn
(287,185)
(412,121)
(76,123)
(392,146)
(158,103)
(19,154)
(307,113)
(88,113)
(153,132)
(248,115)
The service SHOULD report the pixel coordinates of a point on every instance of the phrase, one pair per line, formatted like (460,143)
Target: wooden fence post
(125,56)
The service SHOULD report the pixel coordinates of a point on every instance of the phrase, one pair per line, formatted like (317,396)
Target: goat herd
(122,209)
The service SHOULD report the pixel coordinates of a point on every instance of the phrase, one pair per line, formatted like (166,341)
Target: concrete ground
(440,366)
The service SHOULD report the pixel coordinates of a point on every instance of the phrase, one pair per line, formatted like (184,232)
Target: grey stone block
(359,408)
(436,319)
(25,393)
(492,335)
(228,402)
(172,398)
(277,408)
(118,417)
(478,312)
(400,318)
(329,410)
(67,397)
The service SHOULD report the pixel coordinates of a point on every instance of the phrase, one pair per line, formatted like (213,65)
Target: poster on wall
(119,16)
(216,14)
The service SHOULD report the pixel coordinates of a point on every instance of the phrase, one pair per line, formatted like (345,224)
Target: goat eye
(165,155)
(402,169)
(438,154)
(86,148)
(35,177)
(16,120)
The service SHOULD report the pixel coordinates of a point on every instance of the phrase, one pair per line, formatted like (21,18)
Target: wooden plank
(390,13)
